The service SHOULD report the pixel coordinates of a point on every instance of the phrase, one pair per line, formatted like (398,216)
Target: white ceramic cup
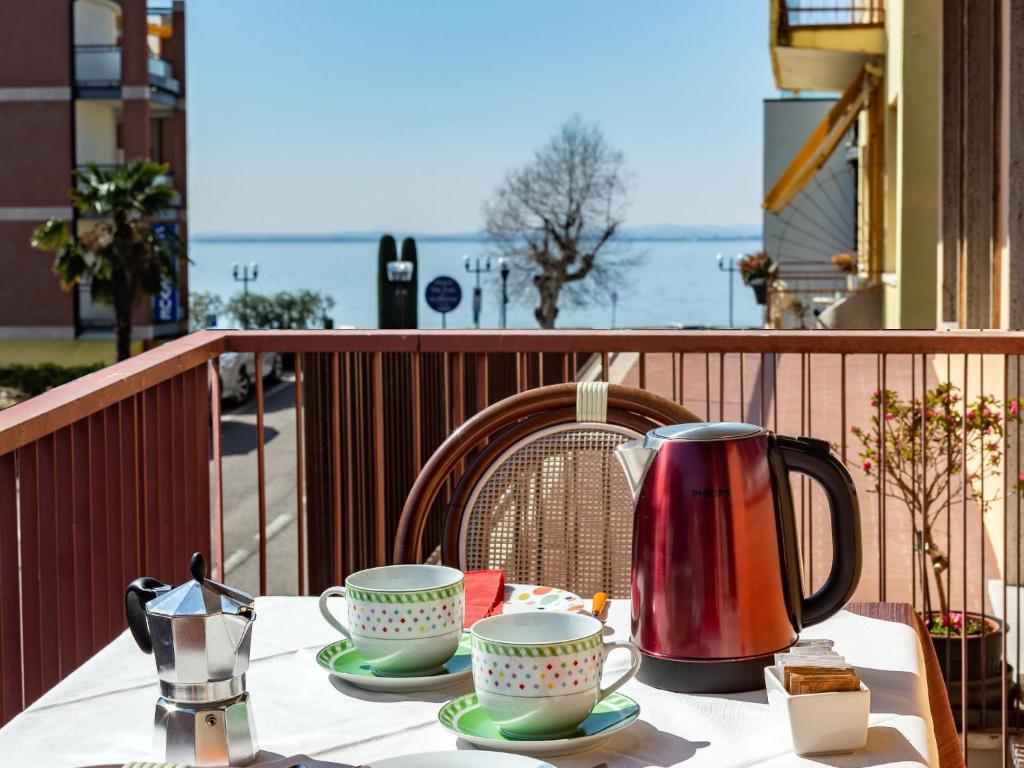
(403,619)
(538,674)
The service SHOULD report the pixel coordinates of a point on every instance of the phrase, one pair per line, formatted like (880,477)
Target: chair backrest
(541,495)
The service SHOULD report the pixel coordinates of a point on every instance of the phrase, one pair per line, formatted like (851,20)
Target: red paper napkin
(485,594)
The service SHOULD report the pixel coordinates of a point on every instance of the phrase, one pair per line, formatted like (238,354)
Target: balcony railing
(128,470)
(831,13)
(99,66)
(161,75)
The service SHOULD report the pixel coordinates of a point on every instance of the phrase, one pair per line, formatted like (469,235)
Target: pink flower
(986,412)
(970,414)
(867,468)
(1014,406)
(1020,477)
(890,416)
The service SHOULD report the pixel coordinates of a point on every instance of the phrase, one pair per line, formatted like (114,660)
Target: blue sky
(336,115)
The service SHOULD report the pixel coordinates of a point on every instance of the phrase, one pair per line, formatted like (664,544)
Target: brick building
(82,81)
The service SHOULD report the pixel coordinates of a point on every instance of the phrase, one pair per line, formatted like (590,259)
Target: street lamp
(245,274)
(505,271)
(477,270)
(729,267)
(400,273)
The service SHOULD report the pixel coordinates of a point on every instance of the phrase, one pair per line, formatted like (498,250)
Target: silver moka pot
(200,634)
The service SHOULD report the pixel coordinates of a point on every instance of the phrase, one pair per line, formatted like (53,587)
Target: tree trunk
(940,564)
(124,334)
(124,284)
(123,318)
(549,287)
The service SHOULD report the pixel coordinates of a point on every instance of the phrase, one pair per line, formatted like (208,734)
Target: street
(241,501)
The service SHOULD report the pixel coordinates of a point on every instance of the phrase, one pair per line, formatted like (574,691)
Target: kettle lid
(716,430)
(200,596)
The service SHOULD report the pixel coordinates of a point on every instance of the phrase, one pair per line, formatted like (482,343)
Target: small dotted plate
(531,597)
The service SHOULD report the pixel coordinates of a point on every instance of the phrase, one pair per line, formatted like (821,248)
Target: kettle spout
(239,627)
(635,458)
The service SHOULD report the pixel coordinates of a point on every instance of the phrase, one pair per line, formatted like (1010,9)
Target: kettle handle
(140,592)
(813,458)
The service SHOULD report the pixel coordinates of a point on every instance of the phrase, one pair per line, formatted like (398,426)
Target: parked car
(238,374)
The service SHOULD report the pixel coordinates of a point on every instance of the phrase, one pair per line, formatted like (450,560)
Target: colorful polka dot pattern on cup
(402,621)
(539,676)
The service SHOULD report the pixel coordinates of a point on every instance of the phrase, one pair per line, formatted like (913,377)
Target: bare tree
(556,219)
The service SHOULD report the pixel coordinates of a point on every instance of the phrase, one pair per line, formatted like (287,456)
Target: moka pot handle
(813,458)
(140,592)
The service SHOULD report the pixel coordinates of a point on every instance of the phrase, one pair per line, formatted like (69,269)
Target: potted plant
(757,269)
(961,444)
(846,262)
(948,628)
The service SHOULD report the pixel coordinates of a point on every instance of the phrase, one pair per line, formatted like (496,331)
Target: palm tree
(123,256)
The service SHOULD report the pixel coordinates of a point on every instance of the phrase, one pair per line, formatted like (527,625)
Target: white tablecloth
(102,713)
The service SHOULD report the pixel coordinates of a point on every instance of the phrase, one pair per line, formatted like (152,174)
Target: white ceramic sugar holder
(819,723)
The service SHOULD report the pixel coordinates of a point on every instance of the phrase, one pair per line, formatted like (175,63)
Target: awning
(822,142)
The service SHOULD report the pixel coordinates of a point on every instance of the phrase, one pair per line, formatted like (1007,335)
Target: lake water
(678,282)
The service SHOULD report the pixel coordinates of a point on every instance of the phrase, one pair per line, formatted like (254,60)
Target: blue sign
(166,304)
(443,294)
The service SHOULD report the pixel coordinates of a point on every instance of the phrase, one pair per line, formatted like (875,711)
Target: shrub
(36,379)
(283,310)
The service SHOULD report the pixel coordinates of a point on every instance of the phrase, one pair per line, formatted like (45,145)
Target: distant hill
(651,232)
(693,232)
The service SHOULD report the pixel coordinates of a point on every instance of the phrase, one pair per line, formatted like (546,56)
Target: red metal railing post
(300,479)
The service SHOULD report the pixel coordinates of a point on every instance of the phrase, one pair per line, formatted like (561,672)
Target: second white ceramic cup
(538,675)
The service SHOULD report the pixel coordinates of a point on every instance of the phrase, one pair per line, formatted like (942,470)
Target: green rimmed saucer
(467,719)
(343,661)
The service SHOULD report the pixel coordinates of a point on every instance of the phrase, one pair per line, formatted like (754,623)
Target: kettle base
(732,676)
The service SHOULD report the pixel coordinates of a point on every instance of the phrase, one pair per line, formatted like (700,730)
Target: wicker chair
(541,495)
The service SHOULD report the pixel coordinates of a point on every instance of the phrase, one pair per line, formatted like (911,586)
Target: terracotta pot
(984,652)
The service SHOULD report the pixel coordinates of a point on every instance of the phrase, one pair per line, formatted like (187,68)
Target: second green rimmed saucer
(343,661)
(467,719)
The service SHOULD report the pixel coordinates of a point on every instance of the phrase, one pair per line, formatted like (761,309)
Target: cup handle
(328,616)
(626,676)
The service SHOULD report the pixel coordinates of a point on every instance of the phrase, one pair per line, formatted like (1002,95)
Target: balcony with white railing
(98,66)
(98,72)
(161,75)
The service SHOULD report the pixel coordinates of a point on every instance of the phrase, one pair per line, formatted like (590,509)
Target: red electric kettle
(716,563)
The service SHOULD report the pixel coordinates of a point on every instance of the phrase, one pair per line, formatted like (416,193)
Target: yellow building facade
(884,59)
